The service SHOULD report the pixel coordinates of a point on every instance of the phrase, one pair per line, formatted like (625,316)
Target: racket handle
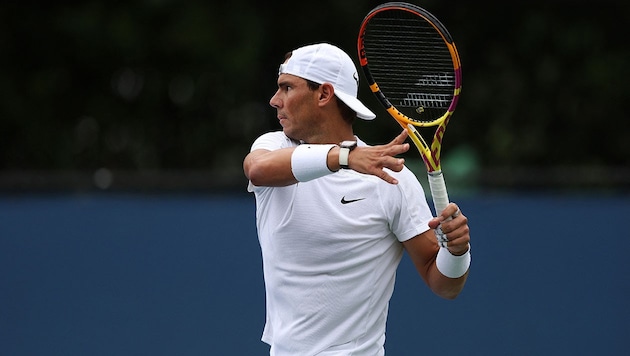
(438,191)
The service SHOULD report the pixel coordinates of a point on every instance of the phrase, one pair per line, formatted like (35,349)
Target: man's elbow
(450,295)
(451,287)
(254,172)
(254,175)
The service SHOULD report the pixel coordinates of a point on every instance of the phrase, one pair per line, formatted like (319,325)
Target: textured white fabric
(309,162)
(330,249)
(450,265)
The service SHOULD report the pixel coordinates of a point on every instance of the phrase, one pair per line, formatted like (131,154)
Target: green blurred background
(163,94)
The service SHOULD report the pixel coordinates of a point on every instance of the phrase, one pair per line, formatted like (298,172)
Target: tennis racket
(412,66)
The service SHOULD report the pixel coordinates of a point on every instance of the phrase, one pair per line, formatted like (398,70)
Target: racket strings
(410,62)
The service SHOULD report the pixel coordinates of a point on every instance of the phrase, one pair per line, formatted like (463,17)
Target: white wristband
(450,265)
(310,161)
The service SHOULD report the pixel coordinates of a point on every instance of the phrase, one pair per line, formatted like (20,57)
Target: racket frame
(429,153)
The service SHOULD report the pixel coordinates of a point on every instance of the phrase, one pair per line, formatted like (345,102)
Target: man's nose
(274,101)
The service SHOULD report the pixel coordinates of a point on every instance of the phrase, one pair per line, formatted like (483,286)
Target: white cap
(325,63)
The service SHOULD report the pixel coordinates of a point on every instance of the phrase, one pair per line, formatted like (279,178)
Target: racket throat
(430,156)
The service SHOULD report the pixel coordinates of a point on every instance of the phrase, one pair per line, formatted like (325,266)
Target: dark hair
(347,113)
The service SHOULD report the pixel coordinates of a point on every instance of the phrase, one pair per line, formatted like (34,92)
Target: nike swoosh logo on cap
(344,201)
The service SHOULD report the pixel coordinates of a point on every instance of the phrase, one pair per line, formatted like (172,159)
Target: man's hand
(454,225)
(372,159)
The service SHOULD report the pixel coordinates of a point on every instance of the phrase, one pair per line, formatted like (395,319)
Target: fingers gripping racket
(412,66)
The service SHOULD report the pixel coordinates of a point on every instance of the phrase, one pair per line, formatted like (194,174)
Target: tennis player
(335,214)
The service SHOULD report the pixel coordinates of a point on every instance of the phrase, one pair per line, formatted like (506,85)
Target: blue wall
(181,275)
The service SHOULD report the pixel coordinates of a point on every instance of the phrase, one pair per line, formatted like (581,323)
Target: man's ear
(326,92)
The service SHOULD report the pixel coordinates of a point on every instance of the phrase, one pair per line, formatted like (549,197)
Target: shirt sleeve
(406,205)
(270,141)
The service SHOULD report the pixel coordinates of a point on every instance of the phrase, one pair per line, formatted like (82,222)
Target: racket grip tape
(438,191)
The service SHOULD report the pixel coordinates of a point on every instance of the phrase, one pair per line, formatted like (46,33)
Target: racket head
(411,63)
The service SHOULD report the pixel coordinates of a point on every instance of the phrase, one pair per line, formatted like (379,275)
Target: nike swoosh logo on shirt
(344,201)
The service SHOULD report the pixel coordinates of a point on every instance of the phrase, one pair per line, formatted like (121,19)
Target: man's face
(295,104)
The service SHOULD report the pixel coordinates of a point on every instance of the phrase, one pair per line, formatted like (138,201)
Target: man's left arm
(445,274)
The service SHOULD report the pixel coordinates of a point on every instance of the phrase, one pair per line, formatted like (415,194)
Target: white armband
(310,161)
(450,265)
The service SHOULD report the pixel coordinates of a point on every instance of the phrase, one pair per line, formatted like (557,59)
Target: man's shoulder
(273,140)
(277,135)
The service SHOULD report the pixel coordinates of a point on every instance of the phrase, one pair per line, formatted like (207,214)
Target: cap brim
(362,111)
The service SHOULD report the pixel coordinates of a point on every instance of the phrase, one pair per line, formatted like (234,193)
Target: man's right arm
(273,168)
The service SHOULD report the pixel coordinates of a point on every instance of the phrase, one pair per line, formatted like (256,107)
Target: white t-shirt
(330,249)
